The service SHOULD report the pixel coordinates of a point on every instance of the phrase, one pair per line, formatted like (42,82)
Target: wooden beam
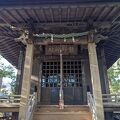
(19,14)
(43,14)
(117,15)
(77,41)
(2,16)
(36,15)
(9,109)
(52,15)
(11,15)
(76,13)
(113,9)
(60,14)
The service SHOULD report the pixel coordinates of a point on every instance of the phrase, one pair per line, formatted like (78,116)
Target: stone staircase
(70,112)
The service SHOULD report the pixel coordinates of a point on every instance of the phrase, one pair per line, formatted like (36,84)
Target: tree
(7,71)
(114,77)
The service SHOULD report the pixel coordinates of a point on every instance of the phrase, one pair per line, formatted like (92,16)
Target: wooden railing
(13,99)
(6,118)
(91,104)
(109,99)
(116,116)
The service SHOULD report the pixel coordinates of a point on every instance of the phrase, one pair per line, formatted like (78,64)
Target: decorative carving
(23,38)
(26,37)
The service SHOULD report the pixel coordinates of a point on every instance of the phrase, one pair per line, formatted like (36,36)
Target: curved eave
(9,48)
(49,16)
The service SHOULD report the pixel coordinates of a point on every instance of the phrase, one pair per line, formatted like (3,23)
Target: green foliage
(114,77)
(6,71)
(5,91)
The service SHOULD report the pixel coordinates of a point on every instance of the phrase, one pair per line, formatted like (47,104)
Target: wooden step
(67,108)
(69,116)
(68,113)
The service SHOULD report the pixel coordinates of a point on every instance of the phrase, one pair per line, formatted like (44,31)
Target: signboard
(66,49)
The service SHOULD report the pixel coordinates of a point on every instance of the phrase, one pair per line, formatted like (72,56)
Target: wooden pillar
(103,71)
(19,73)
(100,64)
(35,76)
(84,82)
(26,82)
(19,79)
(109,116)
(15,116)
(61,95)
(39,82)
(106,81)
(88,76)
(95,78)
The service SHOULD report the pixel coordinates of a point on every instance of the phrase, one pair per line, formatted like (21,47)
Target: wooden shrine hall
(62,50)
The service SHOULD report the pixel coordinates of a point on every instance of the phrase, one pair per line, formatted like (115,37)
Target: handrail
(31,106)
(108,99)
(15,99)
(92,105)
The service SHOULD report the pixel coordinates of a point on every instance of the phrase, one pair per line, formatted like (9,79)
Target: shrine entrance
(72,82)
